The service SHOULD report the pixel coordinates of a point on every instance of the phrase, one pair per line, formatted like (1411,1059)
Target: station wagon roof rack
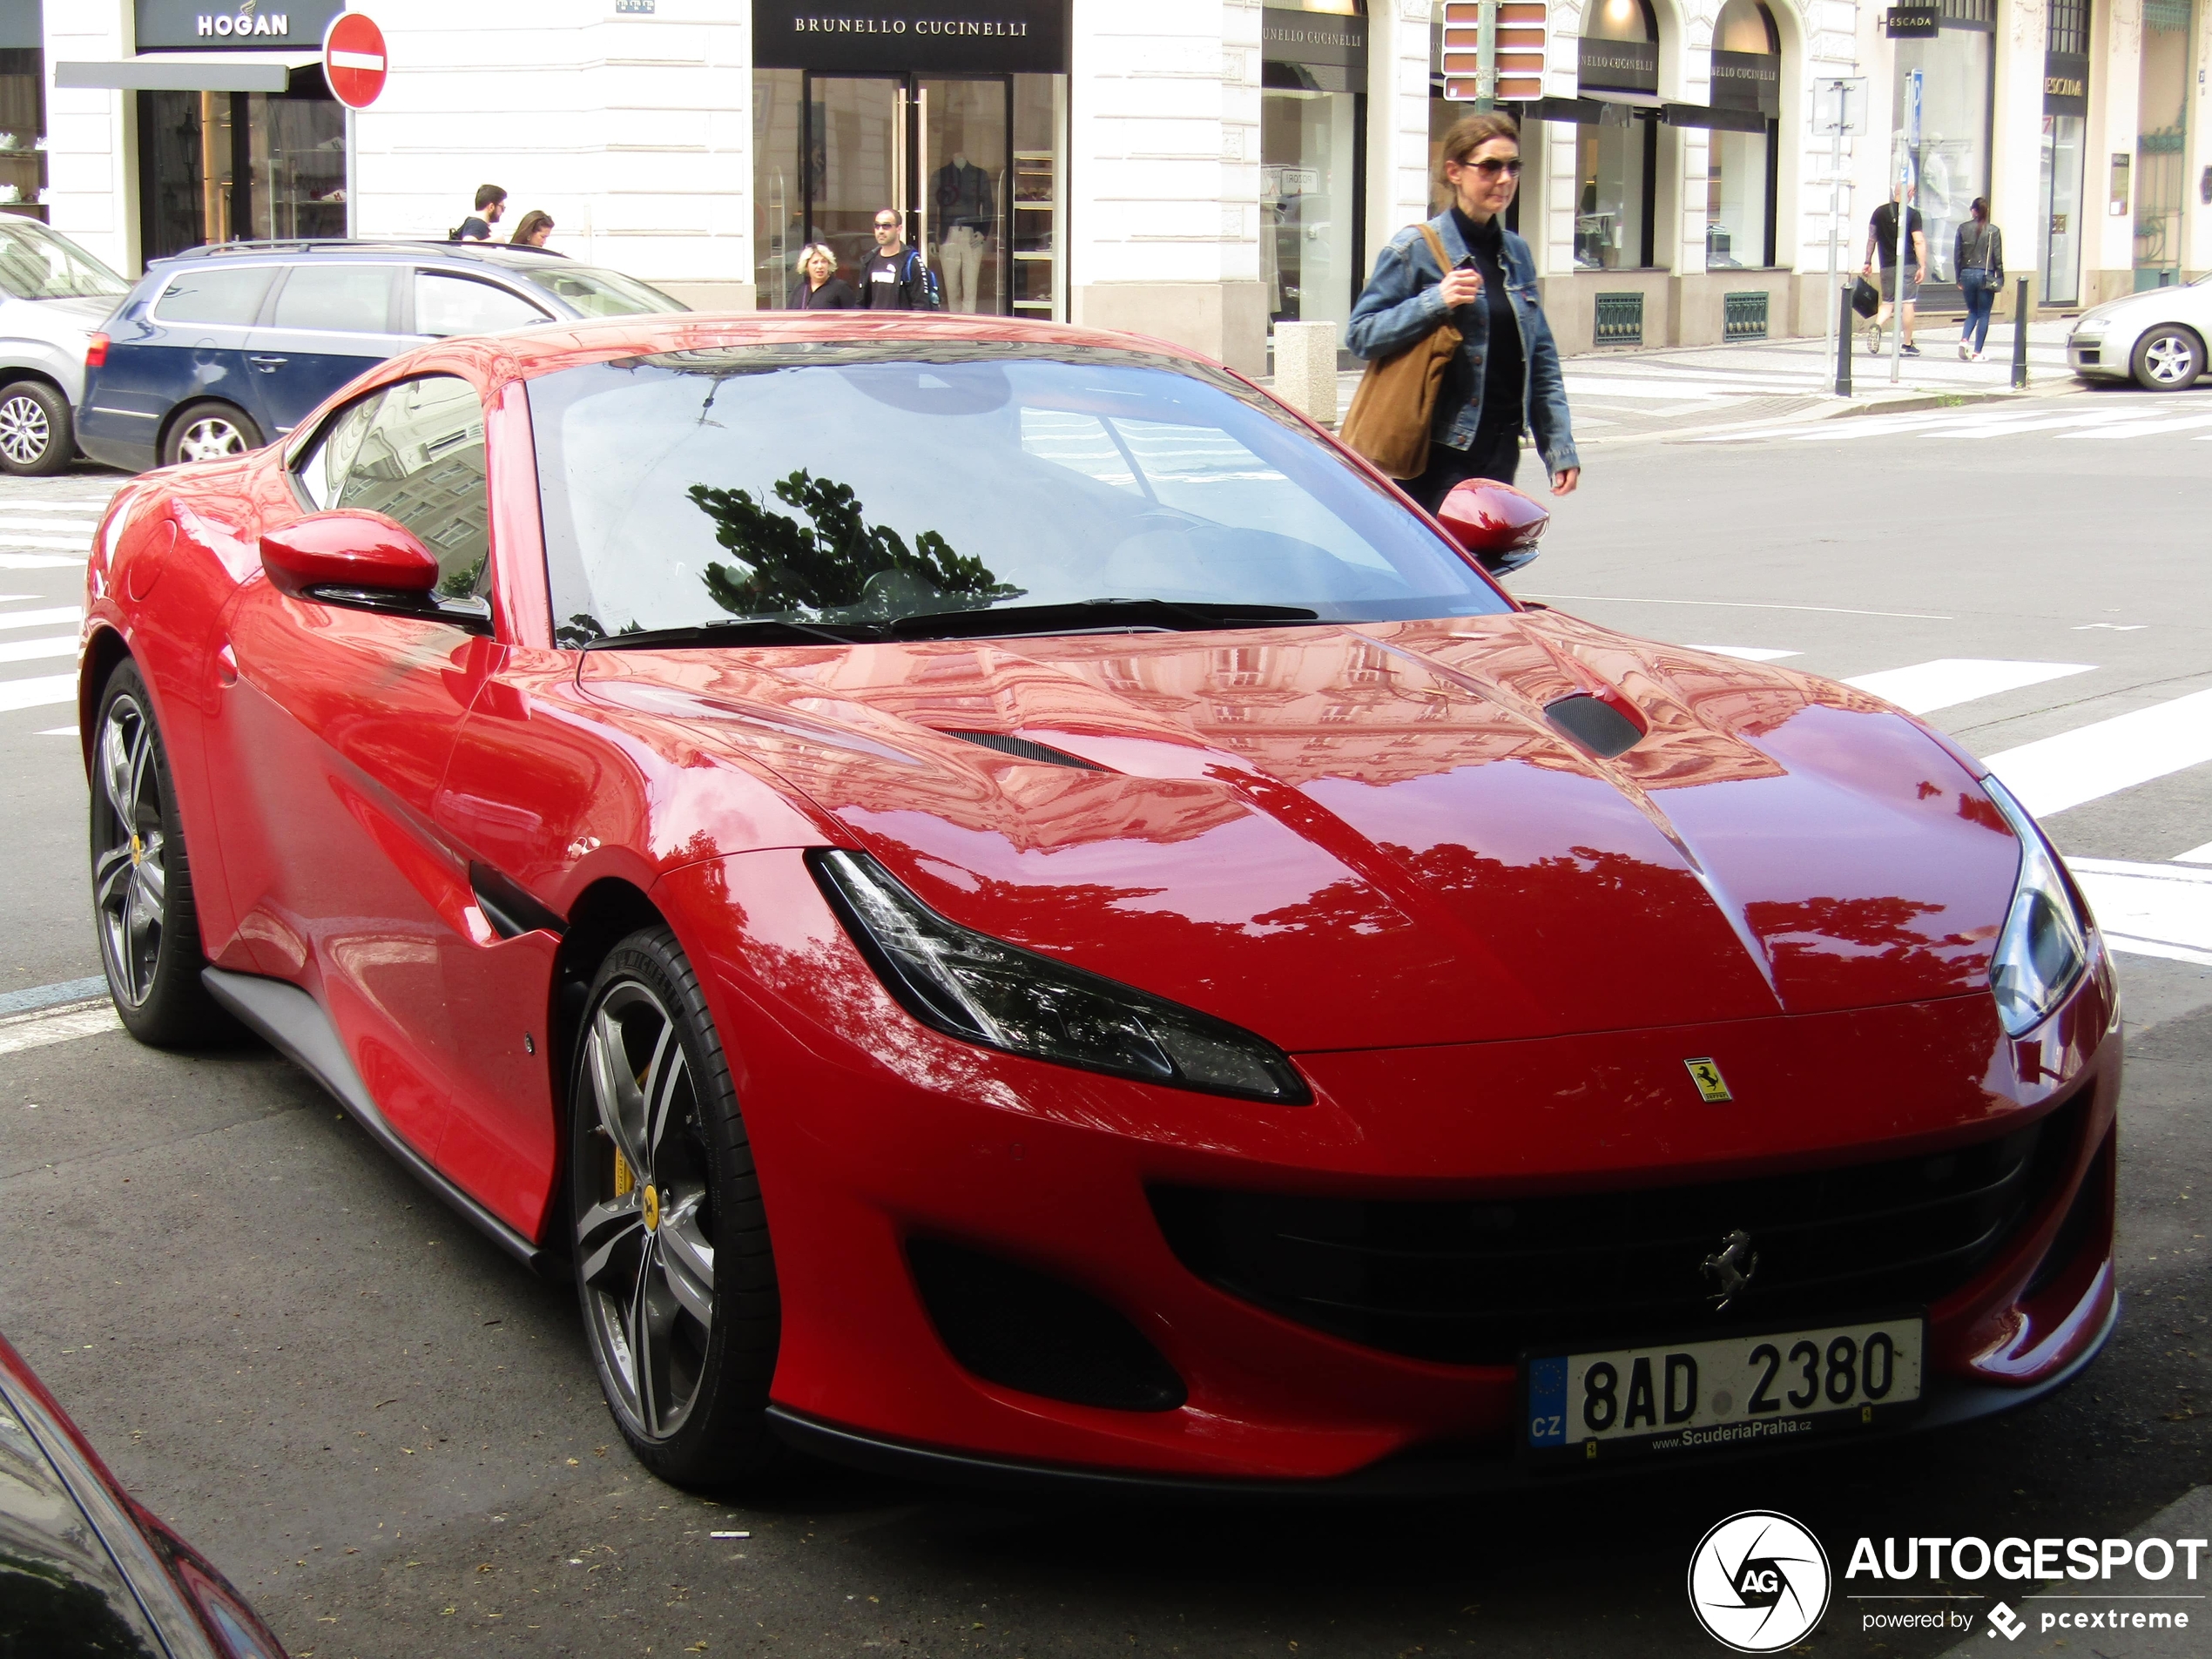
(312,243)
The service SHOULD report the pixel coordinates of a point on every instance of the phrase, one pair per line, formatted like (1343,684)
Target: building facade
(1193,169)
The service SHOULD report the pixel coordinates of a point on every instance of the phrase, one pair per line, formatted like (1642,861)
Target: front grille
(1477,1282)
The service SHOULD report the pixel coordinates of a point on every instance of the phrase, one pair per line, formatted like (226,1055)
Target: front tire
(2168,358)
(36,439)
(209,431)
(142,890)
(673,1261)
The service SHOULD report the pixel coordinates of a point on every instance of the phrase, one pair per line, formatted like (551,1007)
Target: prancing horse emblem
(1731,1269)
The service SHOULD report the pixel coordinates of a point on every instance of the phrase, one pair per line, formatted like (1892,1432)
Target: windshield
(36,264)
(861,484)
(599,293)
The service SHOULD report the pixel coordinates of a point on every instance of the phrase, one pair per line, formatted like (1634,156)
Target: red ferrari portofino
(1003,904)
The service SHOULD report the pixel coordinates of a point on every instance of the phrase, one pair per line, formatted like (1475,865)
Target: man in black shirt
(1881,241)
(893,279)
(491,202)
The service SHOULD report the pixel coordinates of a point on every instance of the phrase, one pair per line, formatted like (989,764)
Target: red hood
(1358,839)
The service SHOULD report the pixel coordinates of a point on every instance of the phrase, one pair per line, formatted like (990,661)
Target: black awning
(1704,115)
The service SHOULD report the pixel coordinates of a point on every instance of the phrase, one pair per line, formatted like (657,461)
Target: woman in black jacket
(820,287)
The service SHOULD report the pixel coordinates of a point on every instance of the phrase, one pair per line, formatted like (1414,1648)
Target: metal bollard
(1843,346)
(2019,337)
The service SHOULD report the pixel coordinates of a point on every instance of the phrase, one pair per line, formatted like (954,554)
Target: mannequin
(963,202)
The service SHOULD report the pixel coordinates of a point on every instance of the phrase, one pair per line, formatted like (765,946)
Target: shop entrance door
(935,149)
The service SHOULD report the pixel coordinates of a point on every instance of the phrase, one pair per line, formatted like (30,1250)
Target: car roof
(499,255)
(546,348)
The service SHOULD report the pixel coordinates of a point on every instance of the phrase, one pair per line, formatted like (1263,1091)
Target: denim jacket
(1401,303)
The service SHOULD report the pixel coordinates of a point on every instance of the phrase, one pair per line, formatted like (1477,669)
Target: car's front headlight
(981,989)
(2044,946)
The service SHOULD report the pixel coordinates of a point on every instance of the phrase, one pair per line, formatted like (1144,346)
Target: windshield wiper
(1170,616)
(765,630)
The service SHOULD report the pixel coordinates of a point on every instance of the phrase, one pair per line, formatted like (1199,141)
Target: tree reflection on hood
(841,565)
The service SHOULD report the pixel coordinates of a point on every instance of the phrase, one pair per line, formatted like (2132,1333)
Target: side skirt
(294,1024)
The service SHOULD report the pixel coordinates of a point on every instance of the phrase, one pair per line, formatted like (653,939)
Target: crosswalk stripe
(40,561)
(40,618)
(10,537)
(2092,761)
(1948,680)
(25,650)
(41,692)
(2143,428)
(43,1030)
(82,528)
(2150,910)
(1749,653)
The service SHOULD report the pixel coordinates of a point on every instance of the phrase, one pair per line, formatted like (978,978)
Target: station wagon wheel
(2168,358)
(209,431)
(35,433)
(672,1263)
(142,893)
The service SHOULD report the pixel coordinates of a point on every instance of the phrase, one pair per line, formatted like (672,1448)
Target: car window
(217,294)
(36,264)
(601,293)
(324,467)
(350,298)
(451,305)
(418,457)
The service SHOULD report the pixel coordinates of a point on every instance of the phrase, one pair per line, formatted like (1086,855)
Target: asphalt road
(391,1437)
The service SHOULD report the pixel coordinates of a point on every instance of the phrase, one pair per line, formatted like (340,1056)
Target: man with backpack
(491,202)
(897,278)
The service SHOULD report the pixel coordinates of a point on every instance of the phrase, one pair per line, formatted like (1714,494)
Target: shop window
(240,166)
(2162,142)
(1312,153)
(1617,159)
(2066,86)
(1956,70)
(23,129)
(779,205)
(1741,165)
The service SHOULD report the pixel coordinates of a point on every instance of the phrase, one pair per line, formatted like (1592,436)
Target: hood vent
(1592,724)
(1022,749)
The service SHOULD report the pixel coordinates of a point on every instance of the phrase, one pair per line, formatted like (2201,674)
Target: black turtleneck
(1504,366)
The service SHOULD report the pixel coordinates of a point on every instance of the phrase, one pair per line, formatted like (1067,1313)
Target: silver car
(53,294)
(2155,338)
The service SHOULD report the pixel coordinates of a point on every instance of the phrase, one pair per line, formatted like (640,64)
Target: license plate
(1760,1389)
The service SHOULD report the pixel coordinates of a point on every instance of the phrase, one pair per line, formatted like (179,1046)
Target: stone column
(92,135)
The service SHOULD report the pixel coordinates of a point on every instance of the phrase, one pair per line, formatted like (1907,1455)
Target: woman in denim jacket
(1506,375)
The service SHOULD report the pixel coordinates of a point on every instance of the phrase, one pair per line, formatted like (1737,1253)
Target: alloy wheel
(2169,359)
(644,1245)
(129,874)
(25,433)
(209,438)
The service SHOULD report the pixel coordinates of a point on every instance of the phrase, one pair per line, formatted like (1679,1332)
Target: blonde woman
(820,287)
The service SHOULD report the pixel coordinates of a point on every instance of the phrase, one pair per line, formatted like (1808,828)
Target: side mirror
(364,561)
(1495,523)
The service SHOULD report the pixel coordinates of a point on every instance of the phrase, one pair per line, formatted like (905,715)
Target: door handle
(268,365)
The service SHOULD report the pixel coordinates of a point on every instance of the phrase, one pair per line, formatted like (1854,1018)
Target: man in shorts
(1881,242)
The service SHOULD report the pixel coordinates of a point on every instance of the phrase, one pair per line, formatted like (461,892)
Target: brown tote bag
(1395,406)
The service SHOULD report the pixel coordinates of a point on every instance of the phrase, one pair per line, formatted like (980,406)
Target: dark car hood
(1364,838)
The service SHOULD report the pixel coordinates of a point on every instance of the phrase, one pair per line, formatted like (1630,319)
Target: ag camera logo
(1758,1582)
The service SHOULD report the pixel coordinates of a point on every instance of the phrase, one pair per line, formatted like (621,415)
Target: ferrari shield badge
(1712,1087)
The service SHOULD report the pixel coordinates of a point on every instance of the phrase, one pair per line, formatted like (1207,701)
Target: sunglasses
(1491,166)
(887,224)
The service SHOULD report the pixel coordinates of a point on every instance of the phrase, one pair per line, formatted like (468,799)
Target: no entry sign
(353,59)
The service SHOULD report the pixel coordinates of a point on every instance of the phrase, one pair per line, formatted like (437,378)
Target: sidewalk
(1620,396)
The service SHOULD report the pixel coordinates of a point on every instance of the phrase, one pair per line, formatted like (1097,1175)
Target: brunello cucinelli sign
(1620,65)
(1748,81)
(239,26)
(1312,37)
(2066,83)
(892,37)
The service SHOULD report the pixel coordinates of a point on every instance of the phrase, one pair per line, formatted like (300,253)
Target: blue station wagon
(219,349)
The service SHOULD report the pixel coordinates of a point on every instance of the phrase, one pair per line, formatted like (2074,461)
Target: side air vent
(1015,1326)
(1593,725)
(1022,749)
